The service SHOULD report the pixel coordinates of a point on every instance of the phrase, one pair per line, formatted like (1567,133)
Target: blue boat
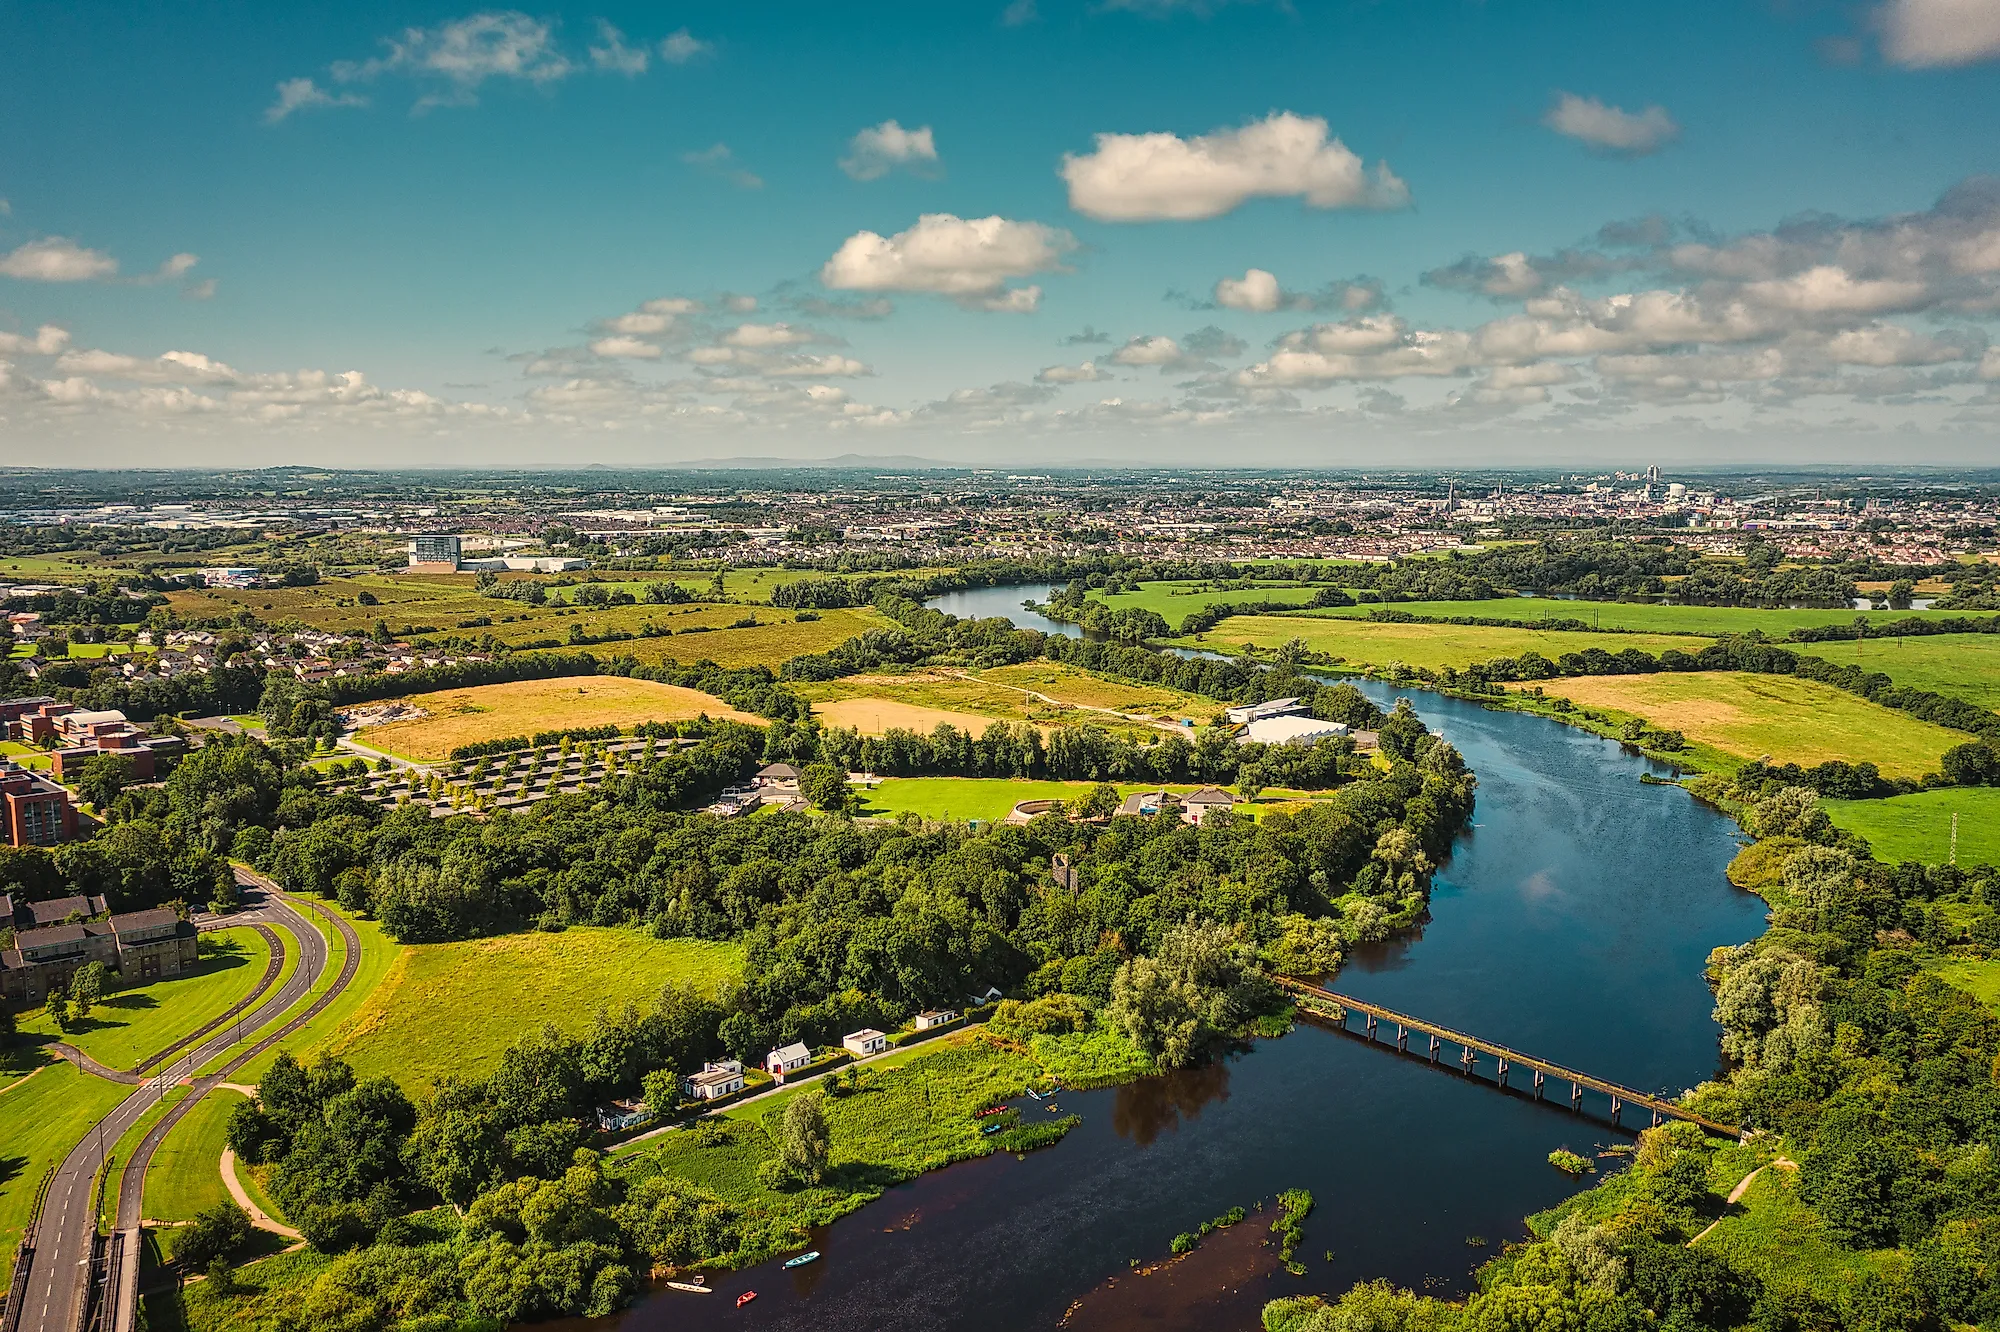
(811,1256)
(990,1128)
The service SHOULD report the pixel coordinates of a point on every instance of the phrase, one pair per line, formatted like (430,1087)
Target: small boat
(810,1256)
(989,1110)
(692,1287)
(1053,1108)
(1034,1095)
(745,1298)
(989,1128)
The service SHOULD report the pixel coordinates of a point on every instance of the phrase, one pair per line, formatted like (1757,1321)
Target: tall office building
(435,552)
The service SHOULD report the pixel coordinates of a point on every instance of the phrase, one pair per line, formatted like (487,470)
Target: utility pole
(1954,837)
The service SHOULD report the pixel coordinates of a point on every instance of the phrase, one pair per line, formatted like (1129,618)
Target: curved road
(65,1234)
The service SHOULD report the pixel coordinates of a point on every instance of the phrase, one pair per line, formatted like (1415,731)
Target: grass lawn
(1918,827)
(1175,601)
(1963,666)
(453,1008)
(990,798)
(1748,716)
(1704,621)
(1365,643)
(185,1177)
(132,1024)
(26,755)
(492,712)
(41,1118)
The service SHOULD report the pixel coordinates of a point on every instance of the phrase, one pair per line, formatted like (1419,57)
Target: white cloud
(1145,350)
(1890,344)
(880,149)
(673,305)
(1828,289)
(1087,373)
(56,259)
(1018,13)
(768,335)
(1371,334)
(1588,120)
(1989,364)
(1015,300)
(612,54)
(971,259)
(624,348)
(737,304)
(1149,177)
(1920,34)
(829,366)
(1257,291)
(47,341)
(680,47)
(640,323)
(203,290)
(718,160)
(299,94)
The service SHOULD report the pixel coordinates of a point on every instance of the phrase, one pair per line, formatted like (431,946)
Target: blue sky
(431,233)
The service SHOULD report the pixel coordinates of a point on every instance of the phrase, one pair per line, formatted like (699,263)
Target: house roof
(710,1077)
(58,909)
(51,934)
(778,770)
(144,920)
(865,1034)
(787,1053)
(1208,795)
(1290,730)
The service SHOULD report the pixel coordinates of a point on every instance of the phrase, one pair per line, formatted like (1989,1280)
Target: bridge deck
(1618,1092)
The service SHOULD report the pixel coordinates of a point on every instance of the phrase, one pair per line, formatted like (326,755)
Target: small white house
(937,1017)
(865,1042)
(990,995)
(1198,805)
(787,1059)
(714,1083)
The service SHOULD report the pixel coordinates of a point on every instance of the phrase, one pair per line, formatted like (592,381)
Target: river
(1572,922)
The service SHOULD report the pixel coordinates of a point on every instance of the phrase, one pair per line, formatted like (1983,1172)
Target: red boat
(745,1298)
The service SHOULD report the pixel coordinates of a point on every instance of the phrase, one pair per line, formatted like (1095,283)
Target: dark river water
(1572,922)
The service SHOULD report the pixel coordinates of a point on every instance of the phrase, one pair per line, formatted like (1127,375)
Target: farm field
(131,1024)
(185,1178)
(1918,827)
(1963,666)
(1085,690)
(1175,601)
(1702,621)
(1434,646)
(455,1007)
(42,1116)
(919,700)
(1746,717)
(874,716)
(523,707)
(779,635)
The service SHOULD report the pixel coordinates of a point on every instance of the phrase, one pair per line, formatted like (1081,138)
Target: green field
(1703,621)
(1979,978)
(378,951)
(991,798)
(1918,827)
(41,1117)
(1963,666)
(185,1176)
(455,1007)
(1175,601)
(1771,1235)
(133,1024)
(1432,646)
(1743,717)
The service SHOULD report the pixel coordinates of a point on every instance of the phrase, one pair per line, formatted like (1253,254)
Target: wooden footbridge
(1336,1007)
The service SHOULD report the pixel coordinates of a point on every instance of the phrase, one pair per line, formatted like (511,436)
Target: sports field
(1750,716)
(132,1024)
(1435,646)
(1704,621)
(492,712)
(455,1007)
(1963,666)
(1918,827)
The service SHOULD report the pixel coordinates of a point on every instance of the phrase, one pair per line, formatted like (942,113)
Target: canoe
(689,1286)
(990,1128)
(803,1259)
(745,1298)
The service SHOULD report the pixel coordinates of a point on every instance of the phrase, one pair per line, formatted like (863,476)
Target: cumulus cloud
(1087,373)
(1150,177)
(611,53)
(768,335)
(1893,344)
(1989,364)
(1014,300)
(969,259)
(680,47)
(1258,292)
(460,55)
(820,307)
(718,160)
(880,149)
(56,259)
(304,94)
(625,348)
(1145,350)
(47,340)
(1923,34)
(1610,128)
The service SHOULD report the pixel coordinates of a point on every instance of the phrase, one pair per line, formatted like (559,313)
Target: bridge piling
(1502,1076)
(1465,1057)
(1402,1038)
(1538,1084)
(1616,1106)
(1435,1044)
(1371,1026)
(1575,1097)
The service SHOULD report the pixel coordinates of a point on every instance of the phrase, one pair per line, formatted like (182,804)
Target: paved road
(65,1234)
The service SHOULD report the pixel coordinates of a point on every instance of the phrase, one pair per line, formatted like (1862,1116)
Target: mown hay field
(454,1008)
(523,707)
(1750,716)
(1085,690)
(1918,827)
(1702,621)
(873,716)
(1433,646)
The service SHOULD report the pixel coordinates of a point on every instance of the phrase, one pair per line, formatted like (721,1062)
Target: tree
(86,988)
(458,1146)
(215,1232)
(1101,803)
(1199,986)
(826,786)
(1401,731)
(101,778)
(804,1140)
(57,1006)
(1249,782)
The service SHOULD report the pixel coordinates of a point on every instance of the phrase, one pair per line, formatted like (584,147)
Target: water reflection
(1144,1110)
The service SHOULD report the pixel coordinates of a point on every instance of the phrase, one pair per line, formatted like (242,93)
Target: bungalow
(991,995)
(1198,805)
(712,1084)
(779,775)
(937,1017)
(621,1115)
(865,1042)
(787,1059)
